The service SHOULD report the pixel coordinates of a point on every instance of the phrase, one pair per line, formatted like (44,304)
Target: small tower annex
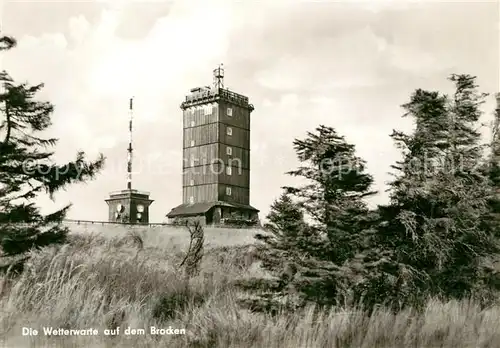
(216,156)
(129,205)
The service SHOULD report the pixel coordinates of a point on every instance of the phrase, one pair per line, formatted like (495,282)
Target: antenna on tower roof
(219,77)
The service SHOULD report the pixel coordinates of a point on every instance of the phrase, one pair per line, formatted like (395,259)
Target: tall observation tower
(129,205)
(216,156)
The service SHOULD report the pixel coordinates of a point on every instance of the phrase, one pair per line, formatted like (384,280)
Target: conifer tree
(334,200)
(492,167)
(494,158)
(286,225)
(491,221)
(308,257)
(27,168)
(433,223)
(278,250)
(333,197)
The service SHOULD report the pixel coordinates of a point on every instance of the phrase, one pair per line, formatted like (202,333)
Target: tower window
(191,200)
(192,123)
(192,142)
(191,182)
(229,150)
(228,191)
(230,111)
(229,171)
(229,131)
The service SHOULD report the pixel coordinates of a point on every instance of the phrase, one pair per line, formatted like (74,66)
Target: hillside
(164,235)
(104,279)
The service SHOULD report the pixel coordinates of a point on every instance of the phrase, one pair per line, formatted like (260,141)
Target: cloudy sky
(346,65)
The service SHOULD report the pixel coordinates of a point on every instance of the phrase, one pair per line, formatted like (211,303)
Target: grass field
(104,279)
(170,236)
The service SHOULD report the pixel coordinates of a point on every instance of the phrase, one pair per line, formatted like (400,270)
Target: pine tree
(278,250)
(494,158)
(341,221)
(333,197)
(433,223)
(285,227)
(492,167)
(491,221)
(27,169)
(307,257)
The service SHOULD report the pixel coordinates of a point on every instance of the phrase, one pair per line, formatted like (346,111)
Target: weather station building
(216,157)
(130,205)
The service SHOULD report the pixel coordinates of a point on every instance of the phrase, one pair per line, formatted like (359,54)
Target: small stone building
(129,206)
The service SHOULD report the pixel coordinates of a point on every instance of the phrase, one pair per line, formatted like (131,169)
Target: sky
(348,65)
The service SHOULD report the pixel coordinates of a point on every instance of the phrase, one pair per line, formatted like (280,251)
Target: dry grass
(100,283)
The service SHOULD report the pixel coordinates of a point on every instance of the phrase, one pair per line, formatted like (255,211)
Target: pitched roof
(203,207)
(190,209)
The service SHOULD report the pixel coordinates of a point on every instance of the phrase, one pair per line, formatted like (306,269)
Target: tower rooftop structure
(207,94)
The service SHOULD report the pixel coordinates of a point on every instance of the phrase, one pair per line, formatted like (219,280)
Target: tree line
(437,237)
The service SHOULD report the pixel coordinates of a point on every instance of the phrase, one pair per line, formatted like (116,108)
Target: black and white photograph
(244,173)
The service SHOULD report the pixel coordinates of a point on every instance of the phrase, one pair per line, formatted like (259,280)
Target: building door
(216,215)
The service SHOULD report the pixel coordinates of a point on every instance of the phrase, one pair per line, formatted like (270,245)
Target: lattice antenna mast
(219,77)
(129,150)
